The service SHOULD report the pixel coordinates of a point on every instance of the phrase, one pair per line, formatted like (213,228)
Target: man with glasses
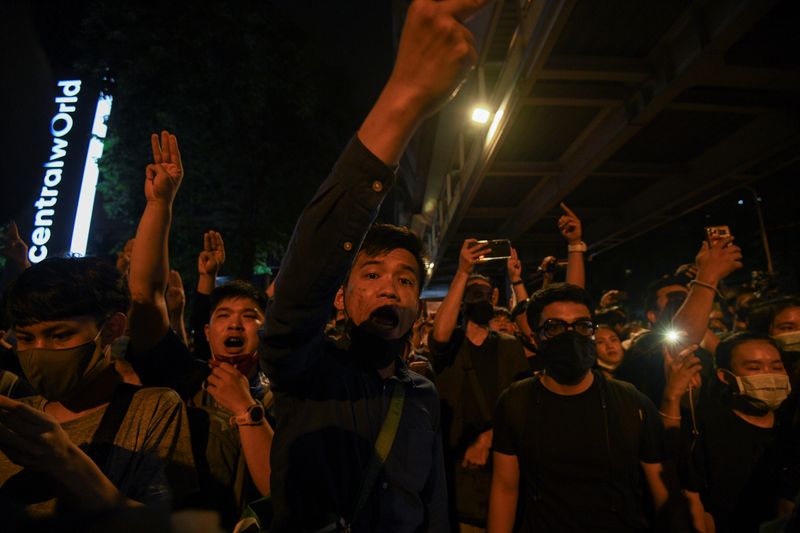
(569,445)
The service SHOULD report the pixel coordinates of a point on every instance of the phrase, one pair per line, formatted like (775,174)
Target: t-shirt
(150,461)
(578,460)
(735,467)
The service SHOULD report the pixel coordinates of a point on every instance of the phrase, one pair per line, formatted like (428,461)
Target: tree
(256,116)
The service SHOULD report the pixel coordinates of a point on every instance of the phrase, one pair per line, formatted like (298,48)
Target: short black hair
(472,278)
(762,314)
(556,292)
(651,294)
(62,287)
(726,346)
(383,238)
(237,289)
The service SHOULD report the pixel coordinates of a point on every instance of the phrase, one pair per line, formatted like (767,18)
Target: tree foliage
(257,121)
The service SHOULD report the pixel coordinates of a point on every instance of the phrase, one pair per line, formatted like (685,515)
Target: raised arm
(433,56)
(514,266)
(447,315)
(149,269)
(176,305)
(570,227)
(714,263)
(434,53)
(210,261)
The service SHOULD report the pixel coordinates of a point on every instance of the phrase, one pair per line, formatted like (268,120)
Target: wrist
(577,247)
(710,278)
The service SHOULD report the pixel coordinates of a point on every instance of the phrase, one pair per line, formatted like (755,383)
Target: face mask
(374,351)
(479,312)
(789,342)
(244,363)
(58,374)
(602,364)
(567,357)
(759,393)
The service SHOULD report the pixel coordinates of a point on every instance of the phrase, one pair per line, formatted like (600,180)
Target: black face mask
(480,312)
(373,351)
(567,357)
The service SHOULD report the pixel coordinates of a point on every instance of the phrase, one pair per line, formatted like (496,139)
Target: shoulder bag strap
(477,391)
(383,445)
(103,439)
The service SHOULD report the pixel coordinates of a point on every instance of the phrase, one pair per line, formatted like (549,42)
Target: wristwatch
(254,416)
(577,247)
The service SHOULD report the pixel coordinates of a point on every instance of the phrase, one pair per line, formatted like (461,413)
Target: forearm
(520,292)
(390,124)
(447,314)
(206,283)
(84,487)
(576,273)
(256,444)
(697,512)
(692,317)
(502,507)
(178,324)
(149,268)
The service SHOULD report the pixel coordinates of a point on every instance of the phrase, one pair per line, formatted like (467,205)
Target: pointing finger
(566,209)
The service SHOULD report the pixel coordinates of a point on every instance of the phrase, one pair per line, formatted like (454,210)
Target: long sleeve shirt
(329,405)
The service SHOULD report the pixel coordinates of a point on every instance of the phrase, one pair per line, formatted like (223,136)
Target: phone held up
(499,249)
(716,233)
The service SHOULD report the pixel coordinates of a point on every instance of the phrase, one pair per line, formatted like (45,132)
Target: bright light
(480,115)
(673,336)
(740,202)
(83,215)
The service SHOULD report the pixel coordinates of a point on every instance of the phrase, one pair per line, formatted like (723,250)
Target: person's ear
(338,300)
(722,376)
(114,328)
(205,330)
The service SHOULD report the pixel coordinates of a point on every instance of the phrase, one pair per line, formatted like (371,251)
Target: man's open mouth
(233,343)
(385,317)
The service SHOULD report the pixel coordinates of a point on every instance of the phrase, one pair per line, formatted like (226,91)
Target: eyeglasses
(553,327)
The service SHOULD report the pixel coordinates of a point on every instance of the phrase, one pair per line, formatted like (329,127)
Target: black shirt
(578,461)
(736,467)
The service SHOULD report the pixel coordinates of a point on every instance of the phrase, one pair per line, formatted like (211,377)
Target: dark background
(262,96)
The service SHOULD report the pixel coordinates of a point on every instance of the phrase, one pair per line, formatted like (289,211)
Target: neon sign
(46,206)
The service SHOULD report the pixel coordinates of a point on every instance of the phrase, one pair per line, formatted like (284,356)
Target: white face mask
(789,342)
(772,389)
(607,366)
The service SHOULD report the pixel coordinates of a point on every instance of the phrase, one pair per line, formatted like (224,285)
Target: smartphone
(500,249)
(715,233)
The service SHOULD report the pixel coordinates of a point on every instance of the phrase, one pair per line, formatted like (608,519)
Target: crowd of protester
(333,401)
